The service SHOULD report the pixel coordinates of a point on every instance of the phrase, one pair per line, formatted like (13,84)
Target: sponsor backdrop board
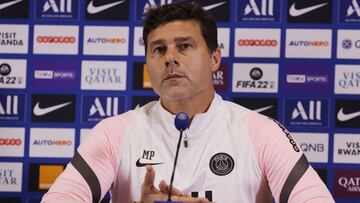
(65,65)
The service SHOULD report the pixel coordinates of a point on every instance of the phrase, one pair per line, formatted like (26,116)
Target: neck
(192,106)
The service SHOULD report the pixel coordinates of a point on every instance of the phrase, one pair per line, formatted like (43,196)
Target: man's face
(178,61)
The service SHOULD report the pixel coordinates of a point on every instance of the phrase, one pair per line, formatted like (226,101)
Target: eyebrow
(177,39)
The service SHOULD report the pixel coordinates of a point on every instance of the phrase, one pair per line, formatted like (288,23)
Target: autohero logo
(349,11)
(256,42)
(315,11)
(103,75)
(255,77)
(97,108)
(10,177)
(12,142)
(306,112)
(107,10)
(16,9)
(220,9)
(308,43)
(347,113)
(307,78)
(54,74)
(12,107)
(346,148)
(53,108)
(259,11)
(348,44)
(52,142)
(314,145)
(57,9)
(56,39)
(347,183)
(14,39)
(347,79)
(265,106)
(220,78)
(106,40)
(12,73)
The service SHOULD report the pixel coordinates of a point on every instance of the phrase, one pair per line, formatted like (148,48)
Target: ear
(215,59)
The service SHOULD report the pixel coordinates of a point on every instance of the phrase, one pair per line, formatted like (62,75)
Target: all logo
(349,11)
(14,38)
(308,43)
(12,142)
(306,112)
(12,107)
(307,78)
(57,9)
(53,108)
(106,40)
(107,10)
(96,108)
(346,183)
(14,9)
(315,11)
(265,106)
(12,73)
(103,75)
(259,11)
(43,175)
(348,44)
(10,176)
(347,79)
(255,77)
(220,9)
(347,113)
(314,145)
(54,74)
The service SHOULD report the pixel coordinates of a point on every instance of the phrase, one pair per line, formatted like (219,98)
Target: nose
(171,58)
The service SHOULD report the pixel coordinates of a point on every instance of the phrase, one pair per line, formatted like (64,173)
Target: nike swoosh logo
(42,111)
(97,9)
(259,110)
(345,117)
(7,4)
(212,6)
(298,12)
(139,164)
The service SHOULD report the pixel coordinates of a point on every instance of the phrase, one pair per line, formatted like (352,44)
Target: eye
(159,50)
(185,46)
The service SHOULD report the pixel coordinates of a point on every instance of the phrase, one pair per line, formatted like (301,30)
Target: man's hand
(149,193)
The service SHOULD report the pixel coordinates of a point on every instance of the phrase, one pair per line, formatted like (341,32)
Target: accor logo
(56,39)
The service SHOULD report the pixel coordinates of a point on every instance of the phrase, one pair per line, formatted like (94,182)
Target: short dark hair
(182,11)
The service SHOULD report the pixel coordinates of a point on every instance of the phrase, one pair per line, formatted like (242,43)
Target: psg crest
(221,164)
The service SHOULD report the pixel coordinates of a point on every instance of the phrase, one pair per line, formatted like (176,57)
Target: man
(230,154)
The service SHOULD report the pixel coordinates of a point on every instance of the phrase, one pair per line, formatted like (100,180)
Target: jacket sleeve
(284,166)
(92,170)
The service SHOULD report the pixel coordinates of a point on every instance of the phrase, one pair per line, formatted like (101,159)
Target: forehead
(174,29)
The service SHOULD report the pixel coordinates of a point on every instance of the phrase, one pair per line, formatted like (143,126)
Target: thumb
(149,177)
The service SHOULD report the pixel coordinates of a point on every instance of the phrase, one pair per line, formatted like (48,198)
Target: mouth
(173,76)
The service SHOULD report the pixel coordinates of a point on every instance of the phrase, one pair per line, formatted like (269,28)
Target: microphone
(181,123)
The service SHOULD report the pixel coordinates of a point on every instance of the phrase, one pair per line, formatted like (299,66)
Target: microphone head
(181,121)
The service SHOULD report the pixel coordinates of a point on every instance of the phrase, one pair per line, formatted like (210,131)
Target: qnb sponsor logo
(302,43)
(351,184)
(353,8)
(107,40)
(49,74)
(312,147)
(351,80)
(56,39)
(352,148)
(10,141)
(348,44)
(312,113)
(53,142)
(257,42)
(10,39)
(103,76)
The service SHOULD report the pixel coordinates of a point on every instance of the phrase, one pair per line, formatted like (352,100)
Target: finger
(164,187)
